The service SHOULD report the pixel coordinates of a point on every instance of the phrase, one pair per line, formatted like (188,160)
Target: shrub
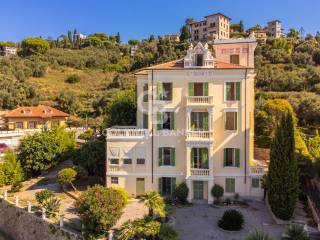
(82,173)
(295,232)
(99,208)
(87,135)
(67,176)
(154,202)
(181,192)
(124,194)
(217,192)
(167,233)
(232,220)
(257,235)
(74,78)
(34,46)
(49,202)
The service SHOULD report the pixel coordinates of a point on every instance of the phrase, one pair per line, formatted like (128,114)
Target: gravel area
(200,222)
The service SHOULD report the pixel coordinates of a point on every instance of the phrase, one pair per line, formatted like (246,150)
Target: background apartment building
(194,124)
(7,51)
(214,26)
(274,28)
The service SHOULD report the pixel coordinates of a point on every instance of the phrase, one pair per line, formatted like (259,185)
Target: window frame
(227,187)
(114,164)
(234,111)
(124,159)
(172,157)
(236,157)
(252,183)
(160,117)
(144,161)
(225,91)
(160,95)
(114,180)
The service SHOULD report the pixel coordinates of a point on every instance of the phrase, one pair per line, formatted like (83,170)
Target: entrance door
(140,187)
(198,190)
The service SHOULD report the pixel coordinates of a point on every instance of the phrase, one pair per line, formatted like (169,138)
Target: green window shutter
(145,91)
(225,157)
(233,185)
(160,185)
(205,157)
(172,120)
(173,156)
(171,92)
(235,120)
(160,90)
(205,89)
(159,120)
(238,91)
(173,185)
(237,157)
(192,157)
(228,91)
(160,153)
(205,121)
(145,121)
(191,89)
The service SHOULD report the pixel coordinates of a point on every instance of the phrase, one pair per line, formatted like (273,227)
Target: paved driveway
(200,222)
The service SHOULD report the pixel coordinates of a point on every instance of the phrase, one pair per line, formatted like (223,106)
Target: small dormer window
(199,60)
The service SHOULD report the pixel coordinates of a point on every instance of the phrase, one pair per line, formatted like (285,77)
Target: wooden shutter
(228,91)
(171,120)
(172,156)
(173,185)
(160,91)
(160,185)
(205,157)
(159,120)
(191,89)
(170,91)
(225,157)
(235,118)
(193,126)
(192,157)
(238,91)
(145,121)
(205,121)
(160,154)
(145,92)
(237,157)
(205,89)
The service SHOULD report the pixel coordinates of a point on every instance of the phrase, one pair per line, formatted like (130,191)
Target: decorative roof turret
(199,57)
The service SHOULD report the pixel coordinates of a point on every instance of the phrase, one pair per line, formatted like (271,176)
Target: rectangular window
(19,125)
(232,157)
(166,156)
(199,60)
(198,89)
(199,121)
(32,124)
(114,180)
(231,121)
(167,186)
(127,161)
(164,91)
(255,183)
(141,161)
(199,158)
(114,161)
(165,120)
(234,59)
(232,91)
(230,185)
(145,92)
(145,121)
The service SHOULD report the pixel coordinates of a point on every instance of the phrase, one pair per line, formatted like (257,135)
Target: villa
(195,124)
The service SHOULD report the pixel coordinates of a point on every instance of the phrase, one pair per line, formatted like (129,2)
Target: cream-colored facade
(194,124)
(214,26)
(274,28)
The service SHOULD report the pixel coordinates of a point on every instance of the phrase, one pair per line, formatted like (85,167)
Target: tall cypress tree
(283,176)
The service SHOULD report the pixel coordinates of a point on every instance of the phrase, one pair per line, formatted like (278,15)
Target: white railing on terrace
(199,134)
(199,100)
(113,168)
(199,172)
(127,133)
(257,170)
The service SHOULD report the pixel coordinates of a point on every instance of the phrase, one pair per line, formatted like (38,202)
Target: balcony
(199,172)
(199,101)
(200,135)
(126,133)
(257,170)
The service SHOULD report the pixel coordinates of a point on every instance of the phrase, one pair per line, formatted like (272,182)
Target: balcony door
(199,158)
(197,89)
(198,190)
(199,121)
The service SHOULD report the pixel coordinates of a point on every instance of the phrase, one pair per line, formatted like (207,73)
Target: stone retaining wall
(21,225)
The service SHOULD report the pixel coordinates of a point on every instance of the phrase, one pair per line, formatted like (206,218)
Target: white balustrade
(257,170)
(199,100)
(126,133)
(113,168)
(200,172)
(199,134)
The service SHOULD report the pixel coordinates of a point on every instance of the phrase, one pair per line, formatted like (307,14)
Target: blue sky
(137,19)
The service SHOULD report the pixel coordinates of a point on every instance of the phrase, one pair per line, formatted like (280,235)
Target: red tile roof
(39,112)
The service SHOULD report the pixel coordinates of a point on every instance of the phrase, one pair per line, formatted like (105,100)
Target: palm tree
(296,232)
(154,202)
(257,235)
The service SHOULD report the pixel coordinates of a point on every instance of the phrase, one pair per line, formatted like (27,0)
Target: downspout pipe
(245,125)
(152,127)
